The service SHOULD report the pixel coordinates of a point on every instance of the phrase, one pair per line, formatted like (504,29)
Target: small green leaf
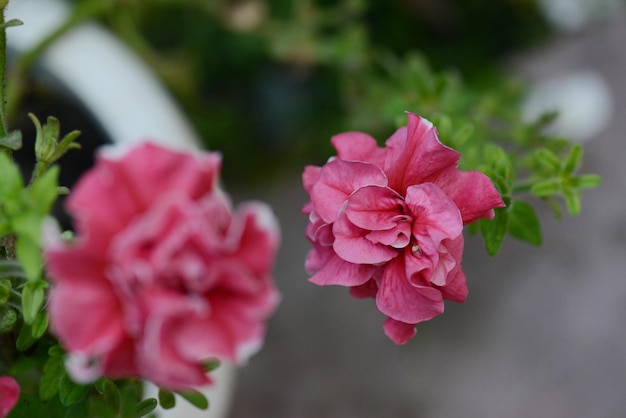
(25,338)
(12,182)
(586,181)
(572,162)
(548,159)
(71,392)
(5,290)
(40,325)
(111,395)
(12,141)
(53,372)
(211,365)
(546,187)
(146,406)
(572,201)
(33,296)
(167,400)
(523,223)
(195,398)
(8,320)
(494,231)
(556,208)
(43,191)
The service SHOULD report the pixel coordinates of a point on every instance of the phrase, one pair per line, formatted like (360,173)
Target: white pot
(129,103)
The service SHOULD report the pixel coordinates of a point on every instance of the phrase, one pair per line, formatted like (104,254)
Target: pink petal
(336,271)
(403,301)
(94,302)
(352,245)
(435,216)
(9,395)
(398,237)
(310,176)
(399,332)
(367,290)
(455,288)
(376,208)
(337,181)
(358,146)
(260,238)
(415,155)
(472,192)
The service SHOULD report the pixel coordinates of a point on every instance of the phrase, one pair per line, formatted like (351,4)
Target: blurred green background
(269,82)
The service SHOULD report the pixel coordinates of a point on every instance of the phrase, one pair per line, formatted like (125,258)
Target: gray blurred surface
(541,334)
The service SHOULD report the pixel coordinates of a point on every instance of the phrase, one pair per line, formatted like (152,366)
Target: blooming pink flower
(388,222)
(9,394)
(163,275)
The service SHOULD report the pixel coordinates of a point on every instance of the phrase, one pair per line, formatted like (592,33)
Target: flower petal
(415,155)
(339,272)
(338,180)
(376,208)
(358,146)
(403,301)
(352,245)
(399,332)
(472,192)
(435,215)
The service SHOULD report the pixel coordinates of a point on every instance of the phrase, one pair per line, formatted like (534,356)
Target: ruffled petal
(338,180)
(339,272)
(435,216)
(358,146)
(403,301)
(415,155)
(472,192)
(376,208)
(352,245)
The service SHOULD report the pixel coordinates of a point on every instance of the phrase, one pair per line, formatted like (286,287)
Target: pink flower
(163,275)
(388,222)
(9,394)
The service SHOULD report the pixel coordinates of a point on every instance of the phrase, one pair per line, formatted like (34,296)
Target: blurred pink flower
(9,395)
(388,222)
(163,275)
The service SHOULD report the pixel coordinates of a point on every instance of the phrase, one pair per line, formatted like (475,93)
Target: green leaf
(523,223)
(40,325)
(71,392)
(12,141)
(12,182)
(25,338)
(28,253)
(8,320)
(572,162)
(572,201)
(111,395)
(43,191)
(53,372)
(494,231)
(549,160)
(33,296)
(146,406)
(211,365)
(546,188)
(195,398)
(586,181)
(167,400)
(5,290)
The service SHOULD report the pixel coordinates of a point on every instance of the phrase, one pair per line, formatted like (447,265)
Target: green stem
(3,73)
